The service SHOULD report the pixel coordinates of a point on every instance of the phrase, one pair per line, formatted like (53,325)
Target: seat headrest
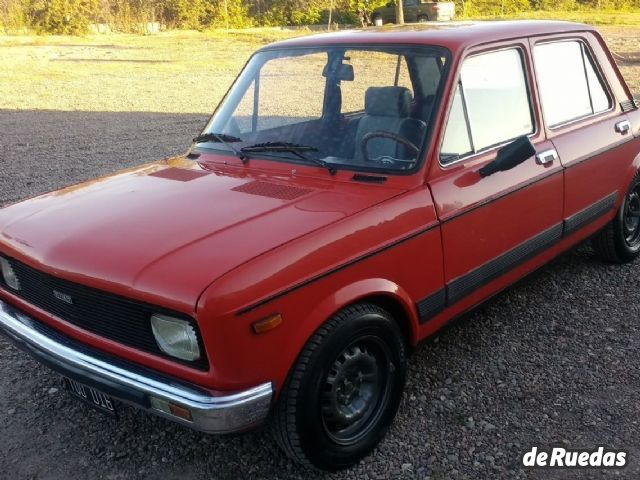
(387,101)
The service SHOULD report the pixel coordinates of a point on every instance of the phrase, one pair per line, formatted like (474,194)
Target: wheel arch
(398,312)
(633,171)
(381,292)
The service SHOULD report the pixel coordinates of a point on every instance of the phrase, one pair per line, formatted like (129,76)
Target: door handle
(623,127)
(547,157)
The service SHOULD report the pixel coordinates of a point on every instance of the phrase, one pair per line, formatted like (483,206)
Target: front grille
(110,316)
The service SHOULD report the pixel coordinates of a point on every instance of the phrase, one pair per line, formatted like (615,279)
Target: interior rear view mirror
(342,72)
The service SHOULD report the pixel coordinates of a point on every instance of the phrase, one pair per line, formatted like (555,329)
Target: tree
(400,12)
(65,17)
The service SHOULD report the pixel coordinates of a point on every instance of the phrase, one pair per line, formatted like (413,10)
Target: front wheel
(619,241)
(377,20)
(343,391)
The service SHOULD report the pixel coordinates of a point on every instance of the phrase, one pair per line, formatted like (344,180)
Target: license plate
(89,395)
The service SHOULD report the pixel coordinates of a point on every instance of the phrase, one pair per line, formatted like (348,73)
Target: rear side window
(570,86)
(491,105)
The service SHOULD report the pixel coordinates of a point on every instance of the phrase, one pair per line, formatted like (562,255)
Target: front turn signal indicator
(267,324)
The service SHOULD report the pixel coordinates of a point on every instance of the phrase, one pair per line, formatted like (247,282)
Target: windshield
(348,107)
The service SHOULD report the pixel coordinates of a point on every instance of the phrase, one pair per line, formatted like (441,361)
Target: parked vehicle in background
(352,194)
(415,11)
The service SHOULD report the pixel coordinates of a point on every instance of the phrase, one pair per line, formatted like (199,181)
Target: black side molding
(432,305)
(466,284)
(589,214)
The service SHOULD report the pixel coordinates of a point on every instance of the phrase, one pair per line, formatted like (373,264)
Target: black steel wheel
(619,241)
(344,390)
(356,390)
(631,218)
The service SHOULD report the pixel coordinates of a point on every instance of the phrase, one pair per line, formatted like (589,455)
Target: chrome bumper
(134,384)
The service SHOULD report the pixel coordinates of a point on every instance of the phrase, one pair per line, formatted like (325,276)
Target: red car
(352,193)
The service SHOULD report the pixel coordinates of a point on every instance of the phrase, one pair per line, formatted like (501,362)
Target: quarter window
(570,86)
(491,105)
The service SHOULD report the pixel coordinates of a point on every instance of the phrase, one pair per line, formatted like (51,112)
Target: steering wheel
(391,136)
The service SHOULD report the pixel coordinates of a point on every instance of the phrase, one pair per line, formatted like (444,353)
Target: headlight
(9,274)
(175,337)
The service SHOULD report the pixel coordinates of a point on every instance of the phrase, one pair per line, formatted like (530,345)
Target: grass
(592,17)
(178,71)
(172,72)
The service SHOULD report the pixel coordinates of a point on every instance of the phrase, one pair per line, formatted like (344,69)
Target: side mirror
(510,156)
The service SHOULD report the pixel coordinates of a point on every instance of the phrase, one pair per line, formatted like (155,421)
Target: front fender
(369,289)
(393,251)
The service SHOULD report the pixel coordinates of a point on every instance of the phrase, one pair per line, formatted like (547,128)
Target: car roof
(452,35)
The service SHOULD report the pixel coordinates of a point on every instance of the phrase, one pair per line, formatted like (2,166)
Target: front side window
(570,87)
(351,108)
(491,105)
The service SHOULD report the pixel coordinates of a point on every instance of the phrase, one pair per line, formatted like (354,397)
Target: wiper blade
(216,137)
(293,148)
(225,139)
(279,146)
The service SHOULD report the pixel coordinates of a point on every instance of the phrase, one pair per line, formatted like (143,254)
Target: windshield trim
(428,137)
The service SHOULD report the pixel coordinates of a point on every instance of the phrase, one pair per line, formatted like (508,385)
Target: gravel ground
(553,361)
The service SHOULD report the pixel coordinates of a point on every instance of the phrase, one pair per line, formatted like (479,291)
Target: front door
(492,227)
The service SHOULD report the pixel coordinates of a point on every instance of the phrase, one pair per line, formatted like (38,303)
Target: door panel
(484,218)
(584,121)
(597,159)
(493,225)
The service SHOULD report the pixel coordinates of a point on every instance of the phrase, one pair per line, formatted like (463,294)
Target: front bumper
(134,384)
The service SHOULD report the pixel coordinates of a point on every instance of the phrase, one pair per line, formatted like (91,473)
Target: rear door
(493,226)
(588,127)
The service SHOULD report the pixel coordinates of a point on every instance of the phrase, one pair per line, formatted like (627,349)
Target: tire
(344,390)
(377,21)
(619,241)
(423,19)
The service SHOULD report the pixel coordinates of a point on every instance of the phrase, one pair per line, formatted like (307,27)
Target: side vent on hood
(179,174)
(272,190)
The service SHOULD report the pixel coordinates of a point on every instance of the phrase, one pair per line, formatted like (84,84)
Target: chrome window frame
(534,120)
(597,69)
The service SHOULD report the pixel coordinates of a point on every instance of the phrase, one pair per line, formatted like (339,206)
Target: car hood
(165,231)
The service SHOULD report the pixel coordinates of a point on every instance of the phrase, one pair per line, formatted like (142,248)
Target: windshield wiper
(293,148)
(226,140)
(216,137)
